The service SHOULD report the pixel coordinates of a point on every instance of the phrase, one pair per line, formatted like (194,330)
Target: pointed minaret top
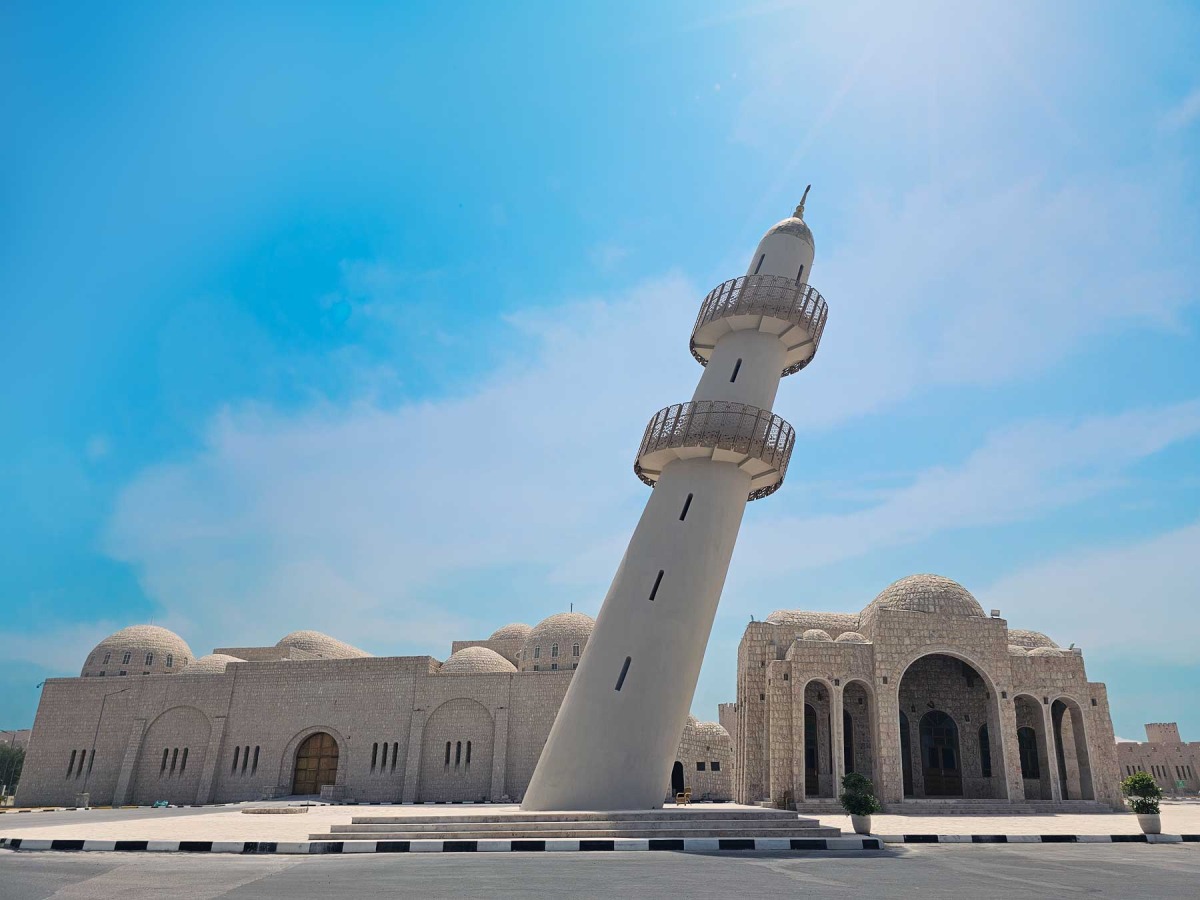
(799,213)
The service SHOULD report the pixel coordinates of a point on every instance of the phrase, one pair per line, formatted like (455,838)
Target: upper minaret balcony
(773,304)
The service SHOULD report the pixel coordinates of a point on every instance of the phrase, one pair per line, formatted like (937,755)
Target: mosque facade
(925,694)
(146,720)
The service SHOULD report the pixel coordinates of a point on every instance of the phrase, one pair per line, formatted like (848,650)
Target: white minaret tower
(614,740)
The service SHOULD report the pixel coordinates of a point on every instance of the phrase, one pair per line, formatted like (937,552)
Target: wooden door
(939,755)
(316,764)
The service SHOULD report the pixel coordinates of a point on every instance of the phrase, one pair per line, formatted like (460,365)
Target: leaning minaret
(614,740)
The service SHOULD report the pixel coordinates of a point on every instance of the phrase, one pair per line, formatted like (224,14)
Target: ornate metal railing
(773,296)
(738,428)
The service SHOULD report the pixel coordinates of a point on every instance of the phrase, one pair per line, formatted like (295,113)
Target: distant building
(14,737)
(146,720)
(1164,755)
(926,695)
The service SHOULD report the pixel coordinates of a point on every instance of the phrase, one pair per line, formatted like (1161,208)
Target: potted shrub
(859,800)
(1144,793)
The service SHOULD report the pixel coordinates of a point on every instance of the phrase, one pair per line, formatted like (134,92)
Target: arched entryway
(677,785)
(1070,741)
(818,741)
(1032,748)
(946,750)
(858,730)
(941,766)
(316,763)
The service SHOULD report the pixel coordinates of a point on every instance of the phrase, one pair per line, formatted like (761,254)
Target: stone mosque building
(926,695)
(147,720)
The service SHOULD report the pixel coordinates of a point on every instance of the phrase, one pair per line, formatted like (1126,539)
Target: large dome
(476,661)
(213,664)
(321,645)
(551,645)
(926,594)
(136,650)
(516,631)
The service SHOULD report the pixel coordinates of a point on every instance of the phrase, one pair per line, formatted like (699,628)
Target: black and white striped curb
(1039,838)
(480,846)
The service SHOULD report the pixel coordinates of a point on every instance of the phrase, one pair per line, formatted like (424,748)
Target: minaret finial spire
(799,213)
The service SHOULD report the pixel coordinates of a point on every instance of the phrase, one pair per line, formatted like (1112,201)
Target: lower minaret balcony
(755,440)
(773,304)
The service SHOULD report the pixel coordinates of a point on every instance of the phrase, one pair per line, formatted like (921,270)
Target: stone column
(1051,752)
(891,766)
(797,748)
(121,791)
(837,738)
(208,776)
(412,760)
(499,753)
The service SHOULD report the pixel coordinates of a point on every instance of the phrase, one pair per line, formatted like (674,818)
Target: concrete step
(673,814)
(581,833)
(665,827)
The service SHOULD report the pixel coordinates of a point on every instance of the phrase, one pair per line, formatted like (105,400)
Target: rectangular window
(699,767)
(237,754)
(575,650)
(447,753)
(553,667)
(82,756)
(737,367)
(71,764)
(624,672)
(174,759)
(686,505)
(800,274)
(149,659)
(657,582)
(395,751)
(760,262)
(163,767)
(183,762)
(468,753)
(245,757)
(715,765)
(254,765)
(374,755)
(126,657)
(457,752)
(107,658)
(383,759)
(170,661)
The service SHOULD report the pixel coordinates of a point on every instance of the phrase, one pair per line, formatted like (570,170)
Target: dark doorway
(811,781)
(677,785)
(848,740)
(316,764)
(906,755)
(939,755)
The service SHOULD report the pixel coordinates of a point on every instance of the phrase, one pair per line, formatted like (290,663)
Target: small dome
(138,649)
(1045,651)
(927,594)
(852,637)
(517,631)
(817,634)
(794,226)
(692,721)
(1017,650)
(213,664)
(562,631)
(321,645)
(711,732)
(476,661)
(834,623)
(1029,639)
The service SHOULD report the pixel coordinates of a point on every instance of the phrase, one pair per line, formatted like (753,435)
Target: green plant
(1143,793)
(858,795)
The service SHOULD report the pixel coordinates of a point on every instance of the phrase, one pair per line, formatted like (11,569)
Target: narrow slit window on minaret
(657,582)
(800,275)
(737,366)
(687,504)
(760,262)
(624,672)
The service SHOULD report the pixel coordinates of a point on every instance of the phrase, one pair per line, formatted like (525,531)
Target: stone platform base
(672,822)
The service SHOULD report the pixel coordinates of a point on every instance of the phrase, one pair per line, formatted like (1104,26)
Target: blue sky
(350,317)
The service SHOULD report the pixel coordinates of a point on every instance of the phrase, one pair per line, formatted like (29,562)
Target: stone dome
(136,650)
(476,661)
(516,631)
(1045,651)
(851,637)
(817,634)
(321,645)
(1029,639)
(1017,650)
(562,630)
(927,594)
(692,721)
(793,226)
(712,732)
(802,620)
(212,664)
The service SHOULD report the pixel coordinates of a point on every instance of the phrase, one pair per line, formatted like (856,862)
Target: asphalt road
(958,872)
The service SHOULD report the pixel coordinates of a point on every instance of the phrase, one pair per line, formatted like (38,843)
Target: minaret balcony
(755,440)
(773,304)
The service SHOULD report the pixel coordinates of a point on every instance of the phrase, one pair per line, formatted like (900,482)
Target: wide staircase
(685,822)
(958,806)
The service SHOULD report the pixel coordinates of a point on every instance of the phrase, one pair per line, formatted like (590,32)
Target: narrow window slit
(760,262)
(736,368)
(800,275)
(183,761)
(624,672)
(657,582)
(687,504)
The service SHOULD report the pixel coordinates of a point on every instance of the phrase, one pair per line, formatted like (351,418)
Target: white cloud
(1134,601)
(1183,113)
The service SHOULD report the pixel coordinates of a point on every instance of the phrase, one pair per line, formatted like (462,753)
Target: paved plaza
(229,823)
